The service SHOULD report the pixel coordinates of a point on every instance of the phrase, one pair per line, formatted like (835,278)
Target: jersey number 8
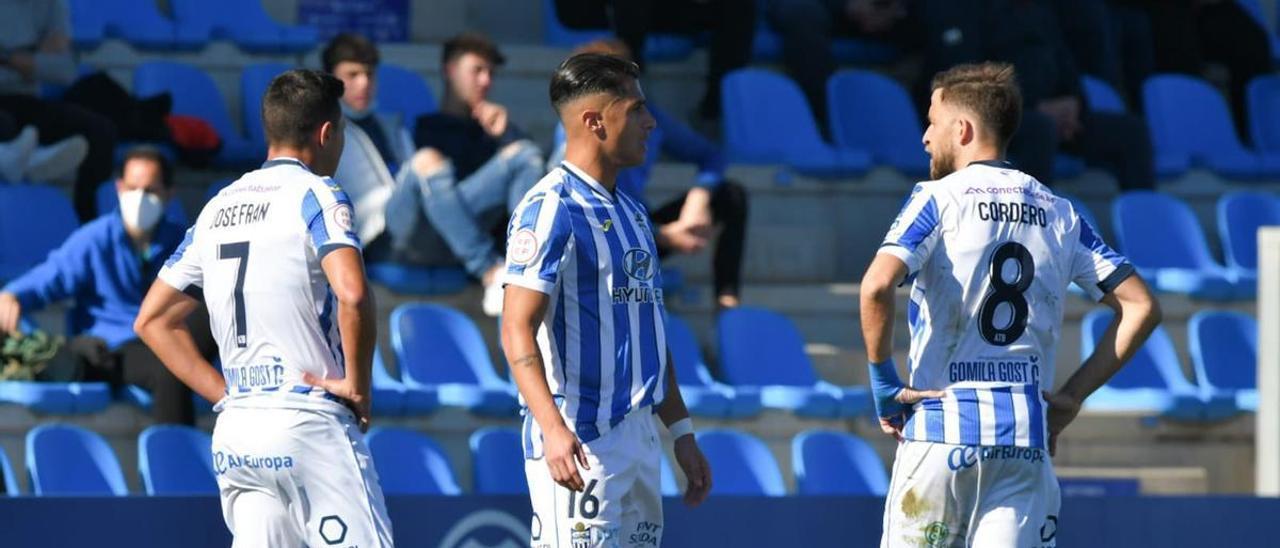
(1005,292)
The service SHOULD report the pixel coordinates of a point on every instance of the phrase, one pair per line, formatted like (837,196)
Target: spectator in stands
(685,224)
(473,167)
(808,26)
(106,266)
(35,48)
(378,147)
(1026,34)
(1110,40)
(22,159)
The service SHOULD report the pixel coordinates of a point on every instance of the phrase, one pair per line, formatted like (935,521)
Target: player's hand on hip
(695,468)
(10,313)
(907,397)
(346,391)
(1063,409)
(564,452)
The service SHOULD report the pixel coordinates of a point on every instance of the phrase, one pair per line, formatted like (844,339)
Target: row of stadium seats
(874,122)
(65,460)
(194,24)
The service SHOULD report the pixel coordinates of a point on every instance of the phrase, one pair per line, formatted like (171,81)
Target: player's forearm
(177,350)
(1133,323)
(877,309)
(359,327)
(672,408)
(530,374)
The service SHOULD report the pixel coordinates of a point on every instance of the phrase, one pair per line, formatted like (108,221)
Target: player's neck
(980,154)
(283,151)
(594,164)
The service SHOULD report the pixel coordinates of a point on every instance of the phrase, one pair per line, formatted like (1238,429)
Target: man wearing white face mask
(105,267)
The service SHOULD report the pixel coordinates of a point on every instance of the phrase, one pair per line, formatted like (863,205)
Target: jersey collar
(284,160)
(998,164)
(589,180)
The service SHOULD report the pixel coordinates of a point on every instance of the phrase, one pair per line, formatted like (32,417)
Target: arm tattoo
(526,360)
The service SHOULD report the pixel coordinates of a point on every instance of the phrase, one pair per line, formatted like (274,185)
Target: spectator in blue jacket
(105,268)
(686,224)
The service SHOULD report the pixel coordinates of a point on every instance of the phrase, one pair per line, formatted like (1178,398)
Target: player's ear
(593,121)
(965,130)
(325,134)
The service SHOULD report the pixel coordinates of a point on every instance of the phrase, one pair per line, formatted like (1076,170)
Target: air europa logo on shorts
(967,456)
(225,462)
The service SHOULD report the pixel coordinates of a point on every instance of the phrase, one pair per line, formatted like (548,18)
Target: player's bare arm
(689,456)
(877,308)
(162,324)
(522,311)
(358,324)
(1137,313)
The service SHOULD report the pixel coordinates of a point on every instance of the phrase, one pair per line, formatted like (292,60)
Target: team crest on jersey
(523,247)
(342,216)
(638,264)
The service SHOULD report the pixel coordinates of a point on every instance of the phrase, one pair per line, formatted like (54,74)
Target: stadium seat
(837,463)
(1254,9)
(766,47)
(741,464)
(417,280)
(34,220)
(1190,121)
(1240,215)
(872,112)
(1263,99)
(759,106)
(388,393)
(63,459)
(195,94)
(658,47)
(1162,237)
(1099,96)
(1224,353)
(177,460)
(410,463)
(702,394)
(109,200)
(244,22)
(62,398)
(254,81)
(1152,382)
(405,93)
(763,349)
(439,347)
(11,487)
(497,462)
(138,22)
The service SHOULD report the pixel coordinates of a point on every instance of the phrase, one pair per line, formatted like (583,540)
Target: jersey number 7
(240,252)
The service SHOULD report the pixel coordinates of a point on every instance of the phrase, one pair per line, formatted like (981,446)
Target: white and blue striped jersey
(254,253)
(991,252)
(593,253)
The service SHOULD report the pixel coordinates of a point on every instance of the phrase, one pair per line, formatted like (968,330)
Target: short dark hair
(151,154)
(591,73)
(988,90)
(471,42)
(351,47)
(297,103)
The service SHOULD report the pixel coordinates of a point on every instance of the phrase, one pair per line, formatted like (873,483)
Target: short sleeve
(1095,267)
(538,242)
(183,270)
(915,232)
(330,219)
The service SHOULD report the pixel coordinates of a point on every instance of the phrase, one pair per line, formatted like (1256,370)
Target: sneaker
(15,154)
(492,303)
(58,162)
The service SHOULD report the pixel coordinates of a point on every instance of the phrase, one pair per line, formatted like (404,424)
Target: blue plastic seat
(437,346)
(418,280)
(1240,215)
(766,46)
(767,121)
(410,463)
(763,349)
(109,200)
(11,487)
(388,393)
(1190,121)
(138,22)
(63,398)
(244,22)
(871,112)
(254,81)
(1254,9)
(741,464)
(1224,352)
(658,47)
(195,94)
(1162,237)
(1100,96)
(63,459)
(1152,382)
(34,220)
(402,399)
(701,393)
(497,462)
(405,93)
(176,460)
(837,463)
(1263,98)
